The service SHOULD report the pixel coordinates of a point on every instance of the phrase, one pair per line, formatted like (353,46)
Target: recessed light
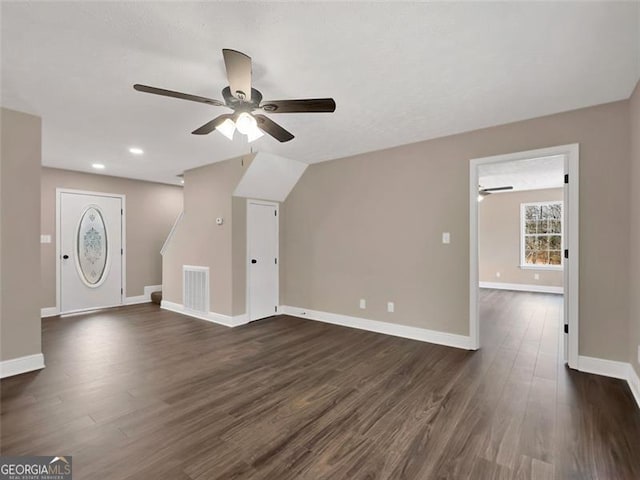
(136,151)
(98,166)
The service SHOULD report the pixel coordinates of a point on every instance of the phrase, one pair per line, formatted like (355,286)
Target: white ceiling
(530,174)
(399,72)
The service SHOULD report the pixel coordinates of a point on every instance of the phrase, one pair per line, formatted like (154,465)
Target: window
(541,235)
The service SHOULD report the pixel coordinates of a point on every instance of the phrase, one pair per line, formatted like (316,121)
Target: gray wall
(369,226)
(151,211)
(634,264)
(20,160)
(499,239)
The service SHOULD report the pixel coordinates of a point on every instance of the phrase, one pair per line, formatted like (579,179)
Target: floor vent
(195,288)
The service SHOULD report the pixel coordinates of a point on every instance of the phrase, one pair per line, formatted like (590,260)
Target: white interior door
(262,250)
(91,251)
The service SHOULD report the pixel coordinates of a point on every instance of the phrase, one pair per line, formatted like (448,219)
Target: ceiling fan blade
(299,106)
(238,67)
(497,189)
(180,95)
(212,125)
(273,129)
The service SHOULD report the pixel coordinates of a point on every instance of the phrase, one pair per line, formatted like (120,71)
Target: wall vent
(195,288)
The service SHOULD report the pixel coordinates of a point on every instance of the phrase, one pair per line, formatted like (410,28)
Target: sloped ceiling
(270,177)
(400,72)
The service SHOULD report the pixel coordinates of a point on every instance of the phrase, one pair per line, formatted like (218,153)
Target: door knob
(65,257)
(253,260)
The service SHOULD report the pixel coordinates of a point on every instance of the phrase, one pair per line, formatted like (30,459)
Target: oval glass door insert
(92,246)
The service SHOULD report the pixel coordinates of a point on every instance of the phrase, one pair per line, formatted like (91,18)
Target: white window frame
(527,266)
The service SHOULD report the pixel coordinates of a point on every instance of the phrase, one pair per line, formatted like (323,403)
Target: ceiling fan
(245,100)
(483,192)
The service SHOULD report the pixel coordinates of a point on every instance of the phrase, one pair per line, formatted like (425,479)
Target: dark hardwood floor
(141,393)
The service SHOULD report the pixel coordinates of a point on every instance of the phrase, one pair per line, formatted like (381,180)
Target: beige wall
(499,239)
(20,160)
(634,263)
(151,209)
(199,241)
(369,226)
(239,254)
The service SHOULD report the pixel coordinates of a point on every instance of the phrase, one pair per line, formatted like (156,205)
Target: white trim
(123,242)
(556,268)
(248,253)
(404,331)
(634,384)
(145,297)
(521,287)
(49,312)
(613,369)
(218,318)
(166,243)
(16,366)
(600,366)
(570,236)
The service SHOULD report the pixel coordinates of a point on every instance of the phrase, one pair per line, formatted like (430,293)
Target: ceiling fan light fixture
(245,123)
(227,128)
(254,134)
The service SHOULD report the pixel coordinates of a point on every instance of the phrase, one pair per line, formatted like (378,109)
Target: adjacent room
(320,240)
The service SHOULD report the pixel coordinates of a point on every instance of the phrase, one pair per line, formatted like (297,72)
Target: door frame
(571,153)
(275,205)
(123,242)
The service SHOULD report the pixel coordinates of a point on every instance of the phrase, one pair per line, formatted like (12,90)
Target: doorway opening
(524,243)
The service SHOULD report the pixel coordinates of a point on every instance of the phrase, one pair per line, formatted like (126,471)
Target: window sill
(557,268)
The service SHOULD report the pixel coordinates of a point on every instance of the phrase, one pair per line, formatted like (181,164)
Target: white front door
(262,249)
(91,251)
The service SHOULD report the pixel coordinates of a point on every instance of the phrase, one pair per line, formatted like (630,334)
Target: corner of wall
(20,167)
(634,260)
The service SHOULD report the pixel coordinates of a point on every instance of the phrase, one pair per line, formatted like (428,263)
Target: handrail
(170,236)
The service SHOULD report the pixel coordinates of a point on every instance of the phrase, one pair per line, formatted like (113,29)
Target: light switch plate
(446,237)
(45,238)
(363,303)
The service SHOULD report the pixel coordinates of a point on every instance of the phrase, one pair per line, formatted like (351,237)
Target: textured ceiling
(399,72)
(531,174)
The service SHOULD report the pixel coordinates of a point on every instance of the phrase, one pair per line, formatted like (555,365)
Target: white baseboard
(220,319)
(634,384)
(16,366)
(49,312)
(521,287)
(145,298)
(600,366)
(614,369)
(404,331)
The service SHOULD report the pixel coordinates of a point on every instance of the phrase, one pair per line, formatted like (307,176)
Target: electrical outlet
(363,303)
(536,276)
(45,238)
(390,307)
(498,274)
